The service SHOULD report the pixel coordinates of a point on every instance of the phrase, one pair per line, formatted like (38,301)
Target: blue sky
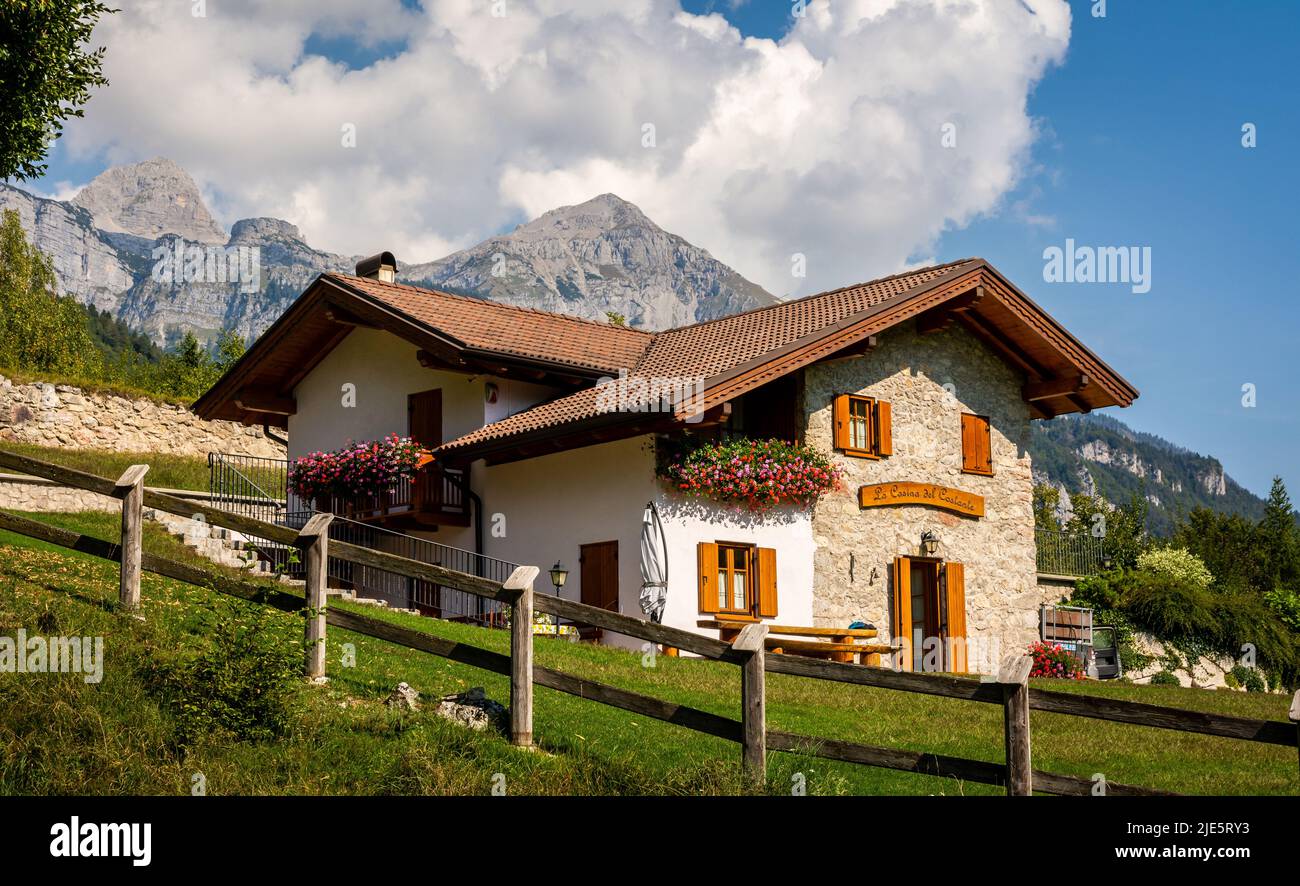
(1141,145)
(1138,144)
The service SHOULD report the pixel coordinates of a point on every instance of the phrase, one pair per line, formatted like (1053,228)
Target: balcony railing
(433,489)
(257,487)
(1069,553)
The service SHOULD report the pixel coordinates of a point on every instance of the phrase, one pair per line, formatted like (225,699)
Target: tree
(1277,536)
(39,330)
(46,75)
(230,347)
(1123,528)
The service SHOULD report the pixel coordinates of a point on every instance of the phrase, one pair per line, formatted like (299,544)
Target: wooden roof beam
(998,341)
(342,317)
(251,400)
(1062,386)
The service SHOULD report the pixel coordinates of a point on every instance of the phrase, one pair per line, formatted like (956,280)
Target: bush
(1168,607)
(1051,660)
(1248,678)
(1165,678)
(1178,564)
(241,684)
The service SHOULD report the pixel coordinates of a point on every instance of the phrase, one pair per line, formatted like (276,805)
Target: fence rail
(1010,689)
(1069,553)
(257,487)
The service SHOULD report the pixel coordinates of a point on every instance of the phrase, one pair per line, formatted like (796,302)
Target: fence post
(1013,676)
(130,489)
(1294,716)
(521,655)
(314,542)
(753,701)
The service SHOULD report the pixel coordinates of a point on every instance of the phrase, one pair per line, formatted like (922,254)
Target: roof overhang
(258,389)
(1061,375)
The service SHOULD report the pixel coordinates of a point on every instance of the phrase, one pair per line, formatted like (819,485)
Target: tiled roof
(716,346)
(507,329)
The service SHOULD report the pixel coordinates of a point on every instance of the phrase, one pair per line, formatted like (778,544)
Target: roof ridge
(795,301)
(496,304)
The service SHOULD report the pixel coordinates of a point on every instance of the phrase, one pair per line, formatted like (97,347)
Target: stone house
(920,387)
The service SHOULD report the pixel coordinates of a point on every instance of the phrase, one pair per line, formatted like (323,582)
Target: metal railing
(246,485)
(1069,553)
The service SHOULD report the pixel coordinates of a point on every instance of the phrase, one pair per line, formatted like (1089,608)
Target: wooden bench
(838,644)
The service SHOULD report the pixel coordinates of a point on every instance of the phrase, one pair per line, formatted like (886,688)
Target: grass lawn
(165,470)
(60,735)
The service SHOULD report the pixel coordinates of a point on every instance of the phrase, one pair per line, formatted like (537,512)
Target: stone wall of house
(65,416)
(929,381)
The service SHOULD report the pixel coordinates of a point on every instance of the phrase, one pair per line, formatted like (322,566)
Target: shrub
(1179,565)
(240,684)
(1248,678)
(1165,678)
(757,473)
(1051,660)
(1168,607)
(1286,603)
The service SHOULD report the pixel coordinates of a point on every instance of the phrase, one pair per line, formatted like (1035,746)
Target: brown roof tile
(713,347)
(508,329)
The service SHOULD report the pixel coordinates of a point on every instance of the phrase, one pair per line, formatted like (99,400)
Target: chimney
(381,267)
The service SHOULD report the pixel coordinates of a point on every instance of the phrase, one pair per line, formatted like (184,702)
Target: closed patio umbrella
(654,564)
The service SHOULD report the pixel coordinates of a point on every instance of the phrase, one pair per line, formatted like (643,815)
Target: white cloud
(827,142)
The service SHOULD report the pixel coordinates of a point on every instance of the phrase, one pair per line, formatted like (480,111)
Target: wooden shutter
(708,576)
(884,429)
(976,457)
(956,605)
(902,620)
(766,561)
(842,438)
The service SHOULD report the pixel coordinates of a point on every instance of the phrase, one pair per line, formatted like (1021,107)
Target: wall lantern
(929,544)
(559,575)
(491,392)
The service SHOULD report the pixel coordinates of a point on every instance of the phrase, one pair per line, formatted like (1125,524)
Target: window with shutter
(737,579)
(862,426)
(976,448)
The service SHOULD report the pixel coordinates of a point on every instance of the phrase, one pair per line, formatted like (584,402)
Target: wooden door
(424,417)
(598,564)
(916,609)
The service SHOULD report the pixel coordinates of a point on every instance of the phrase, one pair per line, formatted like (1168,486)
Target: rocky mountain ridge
(109,242)
(1100,455)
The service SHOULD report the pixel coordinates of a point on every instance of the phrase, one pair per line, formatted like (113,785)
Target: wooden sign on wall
(905,493)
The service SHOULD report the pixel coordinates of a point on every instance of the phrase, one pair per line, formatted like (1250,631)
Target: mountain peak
(150,199)
(597,215)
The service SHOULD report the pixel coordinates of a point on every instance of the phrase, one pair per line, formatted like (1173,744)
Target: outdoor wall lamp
(559,575)
(929,543)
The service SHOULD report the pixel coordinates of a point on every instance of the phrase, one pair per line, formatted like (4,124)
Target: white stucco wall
(384,370)
(551,505)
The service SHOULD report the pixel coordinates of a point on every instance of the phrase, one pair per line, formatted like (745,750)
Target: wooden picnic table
(838,644)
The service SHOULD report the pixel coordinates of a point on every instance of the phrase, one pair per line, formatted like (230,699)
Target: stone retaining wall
(67,417)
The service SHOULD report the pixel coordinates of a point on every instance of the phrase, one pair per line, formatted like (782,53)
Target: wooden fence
(1008,689)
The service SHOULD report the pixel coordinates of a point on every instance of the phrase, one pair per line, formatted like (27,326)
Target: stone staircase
(221,546)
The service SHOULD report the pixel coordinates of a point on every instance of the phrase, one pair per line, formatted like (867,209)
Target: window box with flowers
(757,474)
(370,475)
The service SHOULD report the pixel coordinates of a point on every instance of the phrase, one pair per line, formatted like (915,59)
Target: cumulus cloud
(828,142)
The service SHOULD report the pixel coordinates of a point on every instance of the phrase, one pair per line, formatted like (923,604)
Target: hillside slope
(1100,455)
